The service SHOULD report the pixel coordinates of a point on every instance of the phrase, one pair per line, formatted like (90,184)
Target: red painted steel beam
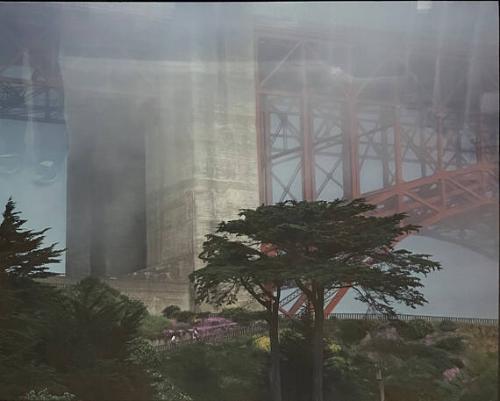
(297,305)
(335,301)
(431,220)
(383,194)
(433,198)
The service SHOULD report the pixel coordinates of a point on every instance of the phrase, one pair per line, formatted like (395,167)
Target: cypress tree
(21,252)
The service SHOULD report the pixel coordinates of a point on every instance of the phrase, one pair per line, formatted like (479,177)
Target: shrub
(386,346)
(448,325)
(82,348)
(242,316)
(296,365)
(184,316)
(263,343)
(416,379)
(437,357)
(216,372)
(91,348)
(152,327)
(170,311)
(45,395)
(483,368)
(145,355)
(202,315)
(414,329)
(457,362)
(353,331)
(453,344)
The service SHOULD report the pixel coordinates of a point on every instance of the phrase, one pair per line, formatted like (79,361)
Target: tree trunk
(275,350)
(319,296)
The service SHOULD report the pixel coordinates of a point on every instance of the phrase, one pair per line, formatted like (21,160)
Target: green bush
(45,395)
(202,315)
(353,331)
(452,344)
(448,325)
(216,372)
(417,379)
(152,327)
(91,348)
(146,355)
(438,358)
(184,316)
(483,368)
(242,316)
(385,346)
(414,329)
(459,363)
(170,311)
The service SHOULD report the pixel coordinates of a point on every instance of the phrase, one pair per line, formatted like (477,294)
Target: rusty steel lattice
(331,128)
(30,81)
(26,100)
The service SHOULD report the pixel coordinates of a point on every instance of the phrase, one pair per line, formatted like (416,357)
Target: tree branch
(304,288)
(251,291)
(266,292)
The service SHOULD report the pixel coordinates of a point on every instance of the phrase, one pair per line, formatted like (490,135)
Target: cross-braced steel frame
(30,81)
(330,128)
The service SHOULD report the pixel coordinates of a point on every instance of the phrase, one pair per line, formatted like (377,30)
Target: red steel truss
(331,128)
(427,201)
(30,80)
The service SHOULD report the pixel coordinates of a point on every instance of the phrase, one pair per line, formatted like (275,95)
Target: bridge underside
(179,116)
(412,128)
(476,231)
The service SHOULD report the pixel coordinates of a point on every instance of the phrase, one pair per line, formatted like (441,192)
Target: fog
(467,285)
(155,124)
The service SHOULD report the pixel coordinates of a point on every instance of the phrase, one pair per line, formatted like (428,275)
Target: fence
(474,321)
(215,338)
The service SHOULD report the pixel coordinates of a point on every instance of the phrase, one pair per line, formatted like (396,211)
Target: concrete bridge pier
(160,149)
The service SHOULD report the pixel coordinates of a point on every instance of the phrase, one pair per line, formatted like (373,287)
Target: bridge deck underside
(345,115)
(338,120)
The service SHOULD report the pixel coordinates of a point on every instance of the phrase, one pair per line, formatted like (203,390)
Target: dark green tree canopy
(333,244)
(233,264)
(21,251)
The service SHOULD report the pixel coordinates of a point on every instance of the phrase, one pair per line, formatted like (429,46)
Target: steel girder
(326,133)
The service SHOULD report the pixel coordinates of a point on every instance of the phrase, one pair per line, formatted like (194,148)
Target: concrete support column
(224,126)
(106,233)
(202,155)
(166,147)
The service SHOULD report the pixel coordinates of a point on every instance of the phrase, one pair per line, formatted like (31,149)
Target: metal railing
(475,321)
(216,338)
(237,332)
